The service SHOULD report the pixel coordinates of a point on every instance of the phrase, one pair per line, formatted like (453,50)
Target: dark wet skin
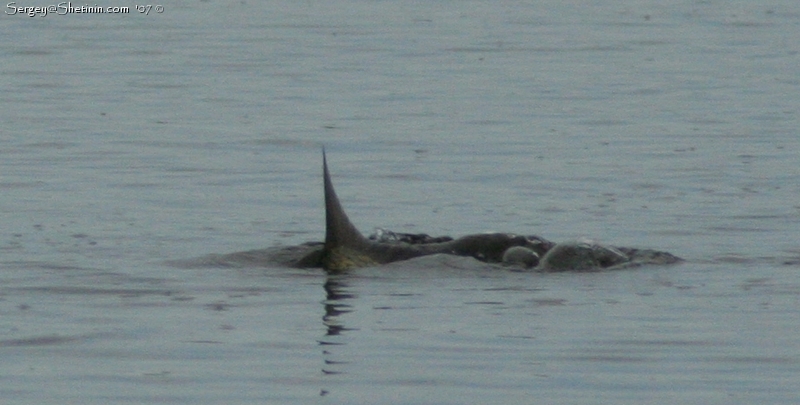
(346,248)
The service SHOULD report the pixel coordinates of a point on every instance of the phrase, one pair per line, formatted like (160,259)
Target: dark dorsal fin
(339,231)
(345,247)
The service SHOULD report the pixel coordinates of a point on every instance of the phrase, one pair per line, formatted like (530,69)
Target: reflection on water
(669,125)
(615,336)
(336,294)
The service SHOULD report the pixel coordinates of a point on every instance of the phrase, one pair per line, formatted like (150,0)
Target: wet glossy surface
(129,141)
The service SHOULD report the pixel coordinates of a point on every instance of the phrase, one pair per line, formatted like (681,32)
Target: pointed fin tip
(325,176)
(339,231)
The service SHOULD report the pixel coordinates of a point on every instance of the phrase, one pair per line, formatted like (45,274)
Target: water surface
(129,141)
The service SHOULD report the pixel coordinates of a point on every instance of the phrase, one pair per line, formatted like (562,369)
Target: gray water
(129,141)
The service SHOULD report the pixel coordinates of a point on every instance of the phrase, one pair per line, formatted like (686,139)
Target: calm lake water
(129,141)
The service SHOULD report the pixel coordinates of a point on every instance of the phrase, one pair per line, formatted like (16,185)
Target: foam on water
(131,141)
